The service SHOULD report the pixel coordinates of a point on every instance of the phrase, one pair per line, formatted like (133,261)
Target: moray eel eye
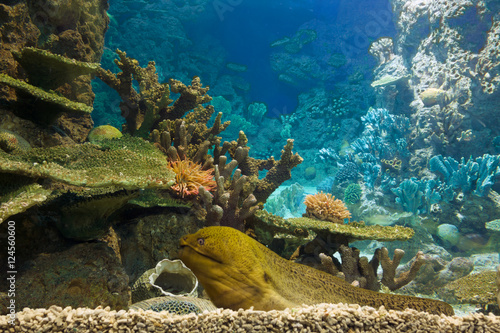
(201,241)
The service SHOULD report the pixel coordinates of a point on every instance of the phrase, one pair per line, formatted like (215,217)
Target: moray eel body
(239,272)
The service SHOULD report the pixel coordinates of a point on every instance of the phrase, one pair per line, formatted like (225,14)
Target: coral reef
(450,50)
(144,109)
(49,71)
(324,206)
(48,105)
(473,289)
(47,35)
(287,203)
(480,173)
(498,285)
(147,239)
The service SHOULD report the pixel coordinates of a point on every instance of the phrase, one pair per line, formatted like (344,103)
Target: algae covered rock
(104,132)
(10,141)
(86,275)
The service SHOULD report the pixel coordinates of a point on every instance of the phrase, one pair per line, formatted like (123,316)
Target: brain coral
(324,206)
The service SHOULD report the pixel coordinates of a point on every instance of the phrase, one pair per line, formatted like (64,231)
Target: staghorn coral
(324,206)
(189,177)
(278,171)
(146,108)
(389,267)
(140,109)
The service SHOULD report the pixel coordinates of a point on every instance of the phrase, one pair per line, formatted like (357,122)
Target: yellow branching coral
(324,206)
(189,176)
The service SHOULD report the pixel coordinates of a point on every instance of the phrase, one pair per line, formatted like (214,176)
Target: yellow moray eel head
(228,267)
(239,272)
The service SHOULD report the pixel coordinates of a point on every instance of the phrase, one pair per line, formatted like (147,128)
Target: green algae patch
(48,70)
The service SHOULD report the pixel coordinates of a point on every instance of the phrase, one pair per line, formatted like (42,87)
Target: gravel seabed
(316,318)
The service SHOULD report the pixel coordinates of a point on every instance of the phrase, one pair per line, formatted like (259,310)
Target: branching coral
(144,109)
(180,130)
(231,204)
(189,176)
(324,206)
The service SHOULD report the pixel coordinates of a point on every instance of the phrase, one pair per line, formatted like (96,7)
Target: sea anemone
(189,176)
(324,206)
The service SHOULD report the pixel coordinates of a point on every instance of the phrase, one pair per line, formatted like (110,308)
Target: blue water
(247,33)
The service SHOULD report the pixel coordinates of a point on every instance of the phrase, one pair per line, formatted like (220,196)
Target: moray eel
(239,272)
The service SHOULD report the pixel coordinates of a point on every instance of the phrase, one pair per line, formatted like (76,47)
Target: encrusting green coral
(130,163)
(474,288)
(126,163)
(48,70)
(47,104)
(352,194)
(305,227)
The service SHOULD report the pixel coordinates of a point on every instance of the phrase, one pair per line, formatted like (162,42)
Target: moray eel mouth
(187,251)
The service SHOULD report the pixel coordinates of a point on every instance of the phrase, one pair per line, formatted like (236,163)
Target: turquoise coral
(352,194)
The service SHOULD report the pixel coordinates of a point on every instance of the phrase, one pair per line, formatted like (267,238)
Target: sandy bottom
(316,318)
